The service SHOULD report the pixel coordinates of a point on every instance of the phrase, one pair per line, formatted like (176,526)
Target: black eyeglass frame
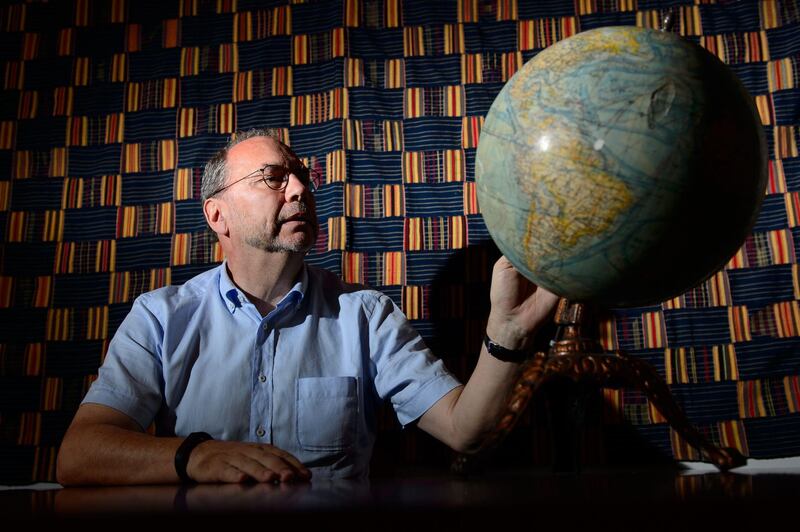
(310,178)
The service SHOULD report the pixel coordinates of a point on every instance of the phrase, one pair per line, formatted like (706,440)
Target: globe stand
(579,358)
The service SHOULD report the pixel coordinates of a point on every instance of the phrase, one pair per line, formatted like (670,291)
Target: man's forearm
(463,418)
(107,454)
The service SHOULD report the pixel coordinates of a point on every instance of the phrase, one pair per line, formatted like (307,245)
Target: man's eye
(274,178)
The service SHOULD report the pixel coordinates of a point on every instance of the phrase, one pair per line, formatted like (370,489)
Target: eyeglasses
(276,177)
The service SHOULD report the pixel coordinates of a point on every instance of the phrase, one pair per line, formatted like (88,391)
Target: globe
(621,166)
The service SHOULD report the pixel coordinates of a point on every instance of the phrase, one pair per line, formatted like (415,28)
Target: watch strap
(185,450)
(501,353)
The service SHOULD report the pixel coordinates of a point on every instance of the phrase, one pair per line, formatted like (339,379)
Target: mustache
(294,210)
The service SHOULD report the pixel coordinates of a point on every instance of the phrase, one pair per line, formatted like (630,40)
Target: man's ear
(214,216)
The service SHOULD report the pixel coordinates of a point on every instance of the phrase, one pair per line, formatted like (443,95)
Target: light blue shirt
(308,377)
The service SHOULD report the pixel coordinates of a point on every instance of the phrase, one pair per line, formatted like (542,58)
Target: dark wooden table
(629,499)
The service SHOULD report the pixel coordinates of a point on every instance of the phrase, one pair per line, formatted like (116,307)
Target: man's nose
(295,188)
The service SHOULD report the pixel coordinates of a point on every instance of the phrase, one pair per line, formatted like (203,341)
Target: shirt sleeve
(130,379)
(408,374)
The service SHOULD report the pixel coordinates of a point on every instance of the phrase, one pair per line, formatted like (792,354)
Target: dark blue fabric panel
(265,53)
(433,71)
(148,12)
(154,64)
(269,112)
(205,89)
(19,394)
(684,329)
(490,36)
(194,152)
(99,99)
(86,290)
(150,125)
(425,12)
(46,16)
(41,133)
(480,97)
(376,235)
(438,199)
(90,161)
(207,30)
(9,104)
(773,437)
(772,215)
(330,200)
(753,76)
(37,194)
(708,403)
(109,39)
(189,216)
(42,74)
(317,17)
(143,252)
(765,356)
(784,41)
(181,274)
(791,168)
(118,311)
(599,20)
(432,133)
(316,139)
(425,267)
(73,359)
(469,163)
(787,107)
(730,17)
(10,46)
(54,424)
(148,188)
(384,43)
(384,104)
(24,259)
(756,287)
(90,224)
(318,77)
(374,167)
(22,325)
(329,260)
(546,8)
(477,231)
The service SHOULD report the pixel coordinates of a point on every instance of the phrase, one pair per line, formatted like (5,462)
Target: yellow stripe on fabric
(353,267)
(394,268)
(337,233)
(33,359)
(739,324)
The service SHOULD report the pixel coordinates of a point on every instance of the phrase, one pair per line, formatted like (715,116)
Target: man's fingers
(296,464)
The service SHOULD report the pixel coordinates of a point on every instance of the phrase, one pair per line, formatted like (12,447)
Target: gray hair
(215,171)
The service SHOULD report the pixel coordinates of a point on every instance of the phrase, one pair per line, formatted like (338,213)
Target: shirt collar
(235,298)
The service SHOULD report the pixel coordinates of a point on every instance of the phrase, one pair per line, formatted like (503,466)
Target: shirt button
(262,378)
(260,432)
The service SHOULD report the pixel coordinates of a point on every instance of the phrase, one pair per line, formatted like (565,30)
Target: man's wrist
(185,450)
(503,353)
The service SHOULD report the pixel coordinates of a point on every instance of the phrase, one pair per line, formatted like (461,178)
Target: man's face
(259,217)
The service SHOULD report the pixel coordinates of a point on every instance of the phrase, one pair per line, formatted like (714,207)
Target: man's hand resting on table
(225,461)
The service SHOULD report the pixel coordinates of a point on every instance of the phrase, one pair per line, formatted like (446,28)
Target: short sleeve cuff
(130,406)
(425,398)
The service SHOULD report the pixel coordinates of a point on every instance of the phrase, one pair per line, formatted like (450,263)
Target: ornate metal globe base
(580,359)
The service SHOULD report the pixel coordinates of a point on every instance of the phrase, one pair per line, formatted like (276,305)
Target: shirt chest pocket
(327,409)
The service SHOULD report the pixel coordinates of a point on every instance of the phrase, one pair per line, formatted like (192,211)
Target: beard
(268,237)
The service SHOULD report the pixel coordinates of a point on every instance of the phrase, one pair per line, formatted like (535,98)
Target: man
(267,369)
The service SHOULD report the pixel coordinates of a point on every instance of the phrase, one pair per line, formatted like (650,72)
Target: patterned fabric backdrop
(109,110)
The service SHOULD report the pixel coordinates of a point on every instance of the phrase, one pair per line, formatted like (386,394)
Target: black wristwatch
(501,353)
(185,450)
